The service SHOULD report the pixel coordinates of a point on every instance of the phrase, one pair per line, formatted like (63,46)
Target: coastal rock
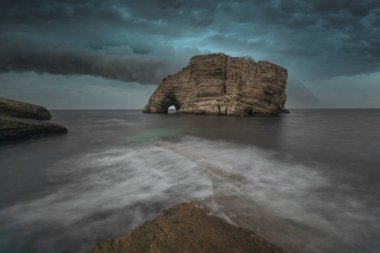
(217,84)
(187,228)
(19,120)
(13,108)
(14,128)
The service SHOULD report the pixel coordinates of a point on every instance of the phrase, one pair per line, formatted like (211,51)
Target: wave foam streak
(105,193)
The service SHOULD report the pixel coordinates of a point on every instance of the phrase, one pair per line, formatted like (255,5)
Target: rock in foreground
(221,85)
(187,228)
(14,128)
(13,108)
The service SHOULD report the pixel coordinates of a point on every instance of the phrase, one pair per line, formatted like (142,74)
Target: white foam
(124,182)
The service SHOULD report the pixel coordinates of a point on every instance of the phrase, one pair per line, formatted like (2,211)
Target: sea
(308,181)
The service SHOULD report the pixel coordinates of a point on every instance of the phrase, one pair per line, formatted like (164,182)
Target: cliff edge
(218,84)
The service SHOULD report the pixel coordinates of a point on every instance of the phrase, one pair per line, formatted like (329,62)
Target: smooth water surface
(314,173)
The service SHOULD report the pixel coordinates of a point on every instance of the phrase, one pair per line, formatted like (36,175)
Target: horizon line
(298,108)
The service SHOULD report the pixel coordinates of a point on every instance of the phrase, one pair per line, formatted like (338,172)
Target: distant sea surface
(308,180)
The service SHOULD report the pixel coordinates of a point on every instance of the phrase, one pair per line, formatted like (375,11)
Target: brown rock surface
(187,228)
(13,108)
(221,85)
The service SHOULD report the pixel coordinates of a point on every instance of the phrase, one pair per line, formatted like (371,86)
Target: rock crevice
(217,84)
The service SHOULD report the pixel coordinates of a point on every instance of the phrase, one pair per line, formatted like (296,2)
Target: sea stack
(217,84)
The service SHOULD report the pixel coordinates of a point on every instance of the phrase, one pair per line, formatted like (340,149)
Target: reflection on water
(116,170)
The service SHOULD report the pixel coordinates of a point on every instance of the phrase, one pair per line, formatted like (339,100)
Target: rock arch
(168,101)
(160,103)
(209,85)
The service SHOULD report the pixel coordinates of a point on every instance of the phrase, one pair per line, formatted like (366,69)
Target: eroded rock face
(187,228)
(221,85)
(13,108)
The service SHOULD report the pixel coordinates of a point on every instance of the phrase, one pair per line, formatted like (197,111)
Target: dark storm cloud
(319,38)
(313,39)
(70,61)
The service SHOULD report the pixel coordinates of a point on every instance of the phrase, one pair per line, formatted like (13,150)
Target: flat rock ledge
(19,120)
(187,227)
(16,129)
(13,108)
(217,84)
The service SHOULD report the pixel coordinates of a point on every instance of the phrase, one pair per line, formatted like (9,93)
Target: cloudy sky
(96,54)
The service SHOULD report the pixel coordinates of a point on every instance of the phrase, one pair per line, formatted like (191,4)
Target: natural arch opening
(172,109)
(170,104)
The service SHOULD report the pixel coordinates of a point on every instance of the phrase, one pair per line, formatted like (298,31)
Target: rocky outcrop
(15,128)
(187,228)
(221,85)
(13,108)
(20,120)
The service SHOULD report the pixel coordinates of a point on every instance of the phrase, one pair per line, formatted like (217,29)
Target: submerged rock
(13,108)
(221,85)
(187,228)
(14,128)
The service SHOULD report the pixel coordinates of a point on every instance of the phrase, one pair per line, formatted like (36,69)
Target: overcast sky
(94,54)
